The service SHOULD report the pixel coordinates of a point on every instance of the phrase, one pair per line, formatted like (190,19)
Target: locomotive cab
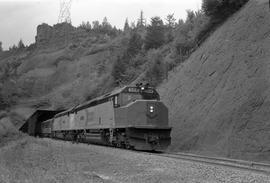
(144,117)
(131,94)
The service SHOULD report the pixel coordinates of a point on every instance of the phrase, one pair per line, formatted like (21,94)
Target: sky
(19,18)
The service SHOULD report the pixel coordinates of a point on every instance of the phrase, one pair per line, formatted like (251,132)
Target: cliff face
(59,35)
(219,99)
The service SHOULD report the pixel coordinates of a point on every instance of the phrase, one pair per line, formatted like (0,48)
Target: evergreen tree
(106,26)
(218,9)
(190,16)
(13,48)
(170,25)
(96,25)
(126,26)
(141,21)
(86,26)
(118,69)
(21,44)
(155,34)
(180,22)
(132,25)
(135,44)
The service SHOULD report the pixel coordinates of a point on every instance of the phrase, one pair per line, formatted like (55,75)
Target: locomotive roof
(93,101)
(114,92)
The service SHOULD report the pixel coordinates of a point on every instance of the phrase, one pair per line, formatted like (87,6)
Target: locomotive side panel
(61,123)
(80,119)
(100,116)
(56,124)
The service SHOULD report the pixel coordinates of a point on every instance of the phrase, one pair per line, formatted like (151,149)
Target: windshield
(143,93)
(129,97)
(150,96)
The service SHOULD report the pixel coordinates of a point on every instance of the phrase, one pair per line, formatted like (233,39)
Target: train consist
(132,117)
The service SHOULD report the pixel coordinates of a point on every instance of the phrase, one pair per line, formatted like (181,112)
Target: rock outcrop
(60,35)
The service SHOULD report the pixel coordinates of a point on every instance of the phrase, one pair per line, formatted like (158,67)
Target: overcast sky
(19,18)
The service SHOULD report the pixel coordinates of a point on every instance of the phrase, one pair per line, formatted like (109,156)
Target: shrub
(156,70)
(118,69)
(134,44)
(221,9)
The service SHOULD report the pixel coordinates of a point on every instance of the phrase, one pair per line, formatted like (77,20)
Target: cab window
(150,96)
(130,97)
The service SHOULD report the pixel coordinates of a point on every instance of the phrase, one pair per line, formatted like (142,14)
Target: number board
(138,90)
(134,90)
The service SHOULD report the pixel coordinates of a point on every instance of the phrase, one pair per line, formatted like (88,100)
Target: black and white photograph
(134,91)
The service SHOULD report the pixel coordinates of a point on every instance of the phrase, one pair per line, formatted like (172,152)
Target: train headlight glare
(142,88)
(151,109)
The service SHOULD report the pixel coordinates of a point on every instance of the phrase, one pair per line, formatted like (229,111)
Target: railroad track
(225,162)
(217,161)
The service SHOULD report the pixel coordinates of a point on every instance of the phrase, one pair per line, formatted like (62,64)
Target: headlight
(151,109)
(142,88)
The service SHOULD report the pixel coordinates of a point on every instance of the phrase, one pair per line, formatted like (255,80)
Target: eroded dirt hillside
(219,98)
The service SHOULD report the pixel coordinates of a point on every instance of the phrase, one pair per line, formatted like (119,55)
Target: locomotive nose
(151,110)
(156,114)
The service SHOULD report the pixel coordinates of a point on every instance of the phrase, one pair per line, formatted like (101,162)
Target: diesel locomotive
(131,117)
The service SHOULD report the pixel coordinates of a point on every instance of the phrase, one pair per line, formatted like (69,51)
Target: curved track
(225,162)
(251,166)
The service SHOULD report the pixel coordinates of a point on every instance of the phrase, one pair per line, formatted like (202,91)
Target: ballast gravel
(47,160)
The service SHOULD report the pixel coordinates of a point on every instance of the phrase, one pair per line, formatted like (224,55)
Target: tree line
(157,47)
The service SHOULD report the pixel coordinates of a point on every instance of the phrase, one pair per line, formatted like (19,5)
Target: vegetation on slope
(58,73)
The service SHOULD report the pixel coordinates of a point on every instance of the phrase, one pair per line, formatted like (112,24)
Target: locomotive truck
(131,117)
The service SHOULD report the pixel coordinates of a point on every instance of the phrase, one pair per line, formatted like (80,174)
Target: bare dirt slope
(219,98)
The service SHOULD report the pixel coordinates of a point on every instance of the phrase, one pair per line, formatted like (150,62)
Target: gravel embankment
(46,160)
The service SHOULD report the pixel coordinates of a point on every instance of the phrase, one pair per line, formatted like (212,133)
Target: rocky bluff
(59,35)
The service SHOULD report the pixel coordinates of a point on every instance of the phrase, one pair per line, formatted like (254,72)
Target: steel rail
(257,167)
(225,162)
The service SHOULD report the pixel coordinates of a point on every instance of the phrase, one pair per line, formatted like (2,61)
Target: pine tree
(126,26)
(220,10)
(21,44)
(135,44)
(190,16)
(141,21)
(105,24)
(155,34)
(118,69)
(170,25)
(96,25)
